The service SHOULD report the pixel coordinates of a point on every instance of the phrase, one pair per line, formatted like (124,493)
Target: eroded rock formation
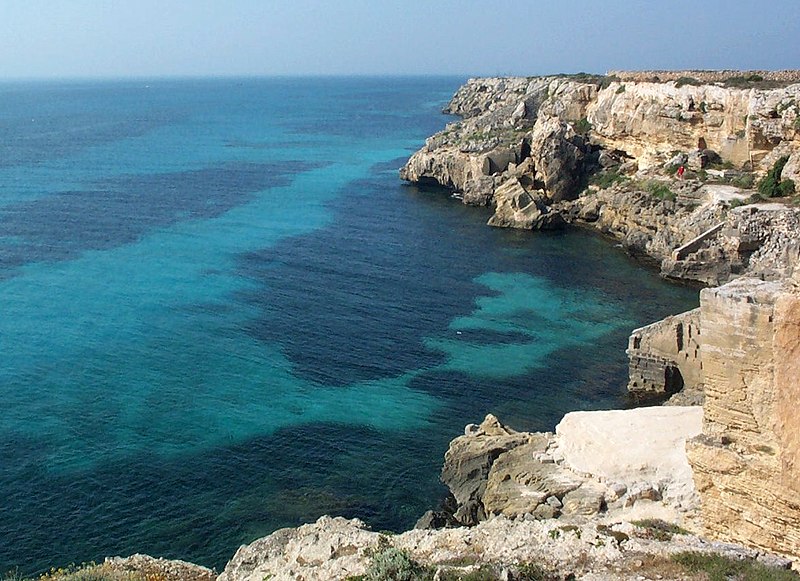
(580,470)
(664,357)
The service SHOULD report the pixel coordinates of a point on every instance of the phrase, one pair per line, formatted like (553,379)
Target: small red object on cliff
(680,172)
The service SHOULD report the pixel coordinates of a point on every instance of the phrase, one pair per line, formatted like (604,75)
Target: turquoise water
(222,314)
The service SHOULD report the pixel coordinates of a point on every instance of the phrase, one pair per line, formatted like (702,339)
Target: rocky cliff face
(507,120)
(743,347)
(493,470)
(527,146)
(745,462)
(335,548)
(522,481)
(665,357)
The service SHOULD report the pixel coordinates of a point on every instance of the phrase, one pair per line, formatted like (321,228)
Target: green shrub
(659,529)
(743,181)
(534,572)
(484,573)
(84,572)
(721,164)
(786,188)
(606,179)
(391,564)
(751,81)
(582,126)
(620,89)
(687,81)
(771,185)
(719,568)
(658,189)
(784,106)
(602,81)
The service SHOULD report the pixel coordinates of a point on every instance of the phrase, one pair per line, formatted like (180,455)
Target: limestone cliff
(665,357)
(528,147)
(520,480)
(745,462)
(335,548)
(643,122)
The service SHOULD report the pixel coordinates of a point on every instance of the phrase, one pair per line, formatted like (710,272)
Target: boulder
(519,482)
(468,461)
(652,438)
(558,155)
(587,500)
(515,207)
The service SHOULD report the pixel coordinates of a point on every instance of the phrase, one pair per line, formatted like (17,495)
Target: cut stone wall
(745,463)
(664,357)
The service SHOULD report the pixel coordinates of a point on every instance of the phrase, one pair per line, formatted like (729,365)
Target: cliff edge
(604,152)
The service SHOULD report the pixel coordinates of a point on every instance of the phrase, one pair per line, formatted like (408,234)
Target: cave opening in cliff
(673,380)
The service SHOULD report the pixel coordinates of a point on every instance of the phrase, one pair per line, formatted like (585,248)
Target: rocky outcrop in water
(493,470)
(664,358)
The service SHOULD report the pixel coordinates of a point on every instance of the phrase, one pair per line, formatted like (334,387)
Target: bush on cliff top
(771,185)
(687,81)
(719,568)
(391,564)
(601,81)
(85,572)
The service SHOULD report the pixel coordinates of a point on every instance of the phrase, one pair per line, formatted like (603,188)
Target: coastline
(332,540)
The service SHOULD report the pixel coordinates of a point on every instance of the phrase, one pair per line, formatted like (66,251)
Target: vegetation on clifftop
(772,186)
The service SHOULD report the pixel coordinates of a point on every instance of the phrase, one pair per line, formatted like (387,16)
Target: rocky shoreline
(616,494)
(603,153)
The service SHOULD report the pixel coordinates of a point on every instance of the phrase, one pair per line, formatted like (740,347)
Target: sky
(153,38)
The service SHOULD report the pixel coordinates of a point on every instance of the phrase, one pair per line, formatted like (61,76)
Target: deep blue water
(223,313)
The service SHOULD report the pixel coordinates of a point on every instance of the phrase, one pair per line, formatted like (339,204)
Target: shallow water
(223,313)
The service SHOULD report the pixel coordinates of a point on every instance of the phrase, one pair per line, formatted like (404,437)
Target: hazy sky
(100,38)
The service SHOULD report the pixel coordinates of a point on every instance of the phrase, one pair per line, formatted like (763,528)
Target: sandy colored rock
(516,207)
(634,446)
(335,548)
(516,149)
(745,462)
(518,483)
(664,357)
(468,461)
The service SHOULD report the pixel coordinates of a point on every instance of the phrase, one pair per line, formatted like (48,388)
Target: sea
(222,313)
